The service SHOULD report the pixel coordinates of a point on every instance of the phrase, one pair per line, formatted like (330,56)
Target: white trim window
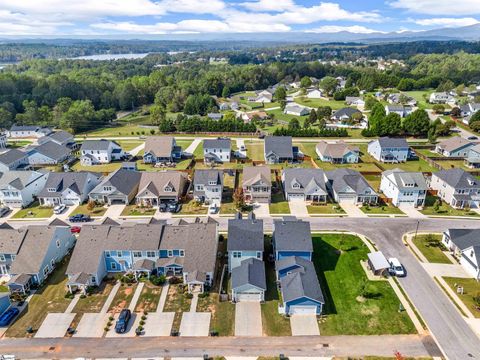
(2,257)
(107,253)
(237,254)
(113,266)
(137,254)
(45,270)
(151,254)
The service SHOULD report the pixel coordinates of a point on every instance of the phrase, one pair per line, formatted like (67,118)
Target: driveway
(304,325)
(248,319)
(448,270)
(159,324)
(114,211)
(91,325)
(191,148)
(412,212)
(131,326)
(195,324)
(55,325)
(261,210)
(136,150)
(298,207)
(241,153)
(352,210)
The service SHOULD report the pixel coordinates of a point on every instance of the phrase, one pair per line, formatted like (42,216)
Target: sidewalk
(110,298)
(163,297)
(193,146)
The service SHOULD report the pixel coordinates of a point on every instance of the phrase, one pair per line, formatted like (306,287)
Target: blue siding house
(292,237)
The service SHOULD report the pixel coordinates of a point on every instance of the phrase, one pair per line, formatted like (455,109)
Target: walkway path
(193,304)
(163,297)
(72,304)
(136,150)
(136,296)
(193,146)
(412,212)
(110,298)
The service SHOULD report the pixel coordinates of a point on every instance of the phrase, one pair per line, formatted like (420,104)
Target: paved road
(147,347)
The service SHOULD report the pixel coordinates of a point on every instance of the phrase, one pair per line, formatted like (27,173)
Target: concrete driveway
(159,324)
(352,210)
(131,326)
(298,207)
(91,325)
(447,270)
(412,212)
(191,148)
(248,319)
(55,325)
(304,325)
(195,324)
(261,210)
(114,211)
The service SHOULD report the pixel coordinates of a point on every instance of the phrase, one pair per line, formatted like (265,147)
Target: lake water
(104,57)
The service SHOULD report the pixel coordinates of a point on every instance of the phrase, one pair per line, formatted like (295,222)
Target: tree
(474,118)
(90,205)
(280,93)
(305,82)
(329,84)
(294,124)
(390,125)
(417,123)
(238,199)
(324,112)
(370,102)
(456,112)
(80,116)
(446,85)
(312,118)
(438,108)
(157,114)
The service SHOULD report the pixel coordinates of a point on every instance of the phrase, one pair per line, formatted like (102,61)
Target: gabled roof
(206,176)
(100,145)
(18,179)
(254,174)
(301,283)
(155,182)
(280,146)
(159,146)
(346,111)
(454,143)
(387,142)
(250,272)
(342,179)
(51,150)
(123,180)
(292,234)
(309,180)
(59,137)
(11,240)
(12,155)
(110,221)
(58,222)
(335,150)
(458,178)
(217,144)
(75,181)
(402,179)
(245,235)
(464,238)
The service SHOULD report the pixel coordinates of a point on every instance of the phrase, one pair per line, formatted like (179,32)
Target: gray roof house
(337,153)
(404,188)
(19,188)
(346,113)
(292,237)
(208,186)
(100,151)
(456,146)
(349,186)
(159,149)
(60,137)
(473,158)
(304,184)
(456,187)
(465,246)
(278,149)
(217,151)
(296,110)
(120,187)
(249,281)
(389,150)
(13,159)
(160,186)
(257,184)
(48,153)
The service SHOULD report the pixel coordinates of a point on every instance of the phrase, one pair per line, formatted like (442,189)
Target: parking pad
(159,323)
(304,325)
(55,325)
(91,325)
(195,324)
(131,326)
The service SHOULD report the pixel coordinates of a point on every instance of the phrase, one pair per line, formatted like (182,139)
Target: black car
(174,207)
(123,320)
(80,218)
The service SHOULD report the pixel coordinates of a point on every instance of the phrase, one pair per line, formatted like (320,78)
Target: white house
(28,131)
(295,109)
(457,188)
(19,188)
(100,152)
(389,150)
(440,98)
(49,153)
(401,110)
(208,186)
(404,187)
(455,146)
(217,150)
(13,159)
(465,246)
(314,94)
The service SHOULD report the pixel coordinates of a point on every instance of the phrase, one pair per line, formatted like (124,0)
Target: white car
(213,209)
(4,210)
(396,268)
(58,209)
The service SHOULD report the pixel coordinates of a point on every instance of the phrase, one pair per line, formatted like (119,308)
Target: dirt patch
(128,291)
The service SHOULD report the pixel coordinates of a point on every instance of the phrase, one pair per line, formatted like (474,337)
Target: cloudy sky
(139,17)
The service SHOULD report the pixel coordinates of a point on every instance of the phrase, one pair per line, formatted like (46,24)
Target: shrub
(174,280)
(111,318)
(158,280)
(189,296)
(142,322)
(106,328)
(83,296)
(144,317)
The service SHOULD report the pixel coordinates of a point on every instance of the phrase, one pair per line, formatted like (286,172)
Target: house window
(45,270)
(2,257)
(107,188)
(259,254)
(12,257)
(151,254)
(52,262)
(94,279)
(296,186)
(212,183)
(170,253)
(207,277)
(168,189)
(237,254)
(113,266)
(51,189)
(107,254)
(137,254)
(182,253)
(119,254)
(58,243)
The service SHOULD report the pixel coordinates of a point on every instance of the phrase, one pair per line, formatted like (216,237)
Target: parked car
(396,268)
(80,218)
(472,138)
(75,229)
(4,210)
(122,322)
(8,316)
(174,207)
(162,207)
(59,209)
(213,209)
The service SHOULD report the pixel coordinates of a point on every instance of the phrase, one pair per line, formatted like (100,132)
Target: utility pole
(416,230)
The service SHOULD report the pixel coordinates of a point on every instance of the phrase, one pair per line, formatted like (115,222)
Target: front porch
(20,283)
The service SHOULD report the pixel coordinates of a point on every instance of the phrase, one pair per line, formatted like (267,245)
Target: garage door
(299,310)
(249,297)
(347,199)
(295,197)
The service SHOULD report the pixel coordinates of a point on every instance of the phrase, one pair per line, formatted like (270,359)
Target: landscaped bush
(189,295)
(174,280)
(158,280)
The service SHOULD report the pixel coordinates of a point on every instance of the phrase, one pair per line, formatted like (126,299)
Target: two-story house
(256,184)
(465,246)
(473,157)
(93,152)
(401,110)
(292,237)
(456,146)
(48,153)
(19,189)
(337,153)
(161,186)
(28,131)
(61,138)
(304,184)
(119,187)
(13,159)
(456,187)
(71,188)
(208,186)
(10,242)
(279,149)
(404,187)
(440,98)
(349,186)
(3,140)
(161,149)
(217,151)
(389,150)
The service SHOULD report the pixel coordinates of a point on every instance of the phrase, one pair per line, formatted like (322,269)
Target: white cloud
(269,5)
(357,29)
(439,7)
(447,22)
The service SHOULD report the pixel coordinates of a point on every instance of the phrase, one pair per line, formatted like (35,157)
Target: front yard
(177,302)
(325,209)
(134,210)
(93,303)
(471,292)
(381,209)
(432,248)
(223,313)
(193,207)
(443,208)
(122,298)
(34,211)
(149,297)
(98,210)
(353,304)
(278,204)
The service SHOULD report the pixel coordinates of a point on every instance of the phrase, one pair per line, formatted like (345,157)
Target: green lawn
(414,165)
(122,298)
(128,145)
(419,96)
(101,168)
(193,207)
(327,208)
(427,152)
(149,297)
(83,209)
(444,209)
(471,288)
(134,210)
(223,314)
(255,150)
(431,247)
(316,103)
(381,208)
(50,298)
(34,211)
(198,152)
(452,164)
(279,205)
(353,304)
(374,181)
(121,130)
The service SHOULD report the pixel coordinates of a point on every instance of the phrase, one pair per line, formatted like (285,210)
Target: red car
(75,229)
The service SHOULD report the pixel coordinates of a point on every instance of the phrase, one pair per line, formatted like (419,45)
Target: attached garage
(248,296)
(295,197)
(347,199)
(303,310)
(248,281)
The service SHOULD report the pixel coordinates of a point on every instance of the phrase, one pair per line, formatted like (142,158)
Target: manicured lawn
(427,152)
(279,205)
(223,314)
(471,288)
(414,165)
(18,143)
(94,302)
(149,298)
(374,181)
(134,210)
(316,103)
(255,150)
(123,130)
(198,152)
(101,168)
(83,209)
(129,145)
(122,298)
(193,207)
(327,208)
(444,209)
(178,303)
(34,211)
(381,208)
(421,99)
(183,143)
(50,298)
(431,247)
(452,164)
(353,304)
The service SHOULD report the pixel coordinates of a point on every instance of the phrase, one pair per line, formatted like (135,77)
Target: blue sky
(141,17)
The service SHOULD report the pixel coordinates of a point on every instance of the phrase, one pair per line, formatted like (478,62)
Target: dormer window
(51,190)
(471,182)
(212,183)
(107,188)
(296,186)
(168,189)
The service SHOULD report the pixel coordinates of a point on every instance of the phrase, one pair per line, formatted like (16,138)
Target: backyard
(431,247)
(471,291)
(255,150)
(101,168)
(316,103)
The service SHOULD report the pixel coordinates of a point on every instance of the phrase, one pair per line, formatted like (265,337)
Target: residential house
(404,187)
(440,98)
(217,151)
(349,186)
(40,250)
(337,153)
(70,189)
(94,152)
(457,188)
(314,93)
(292,237)
(161,186)
(264,96)
(215,116)
(48,153)
(455,146)
(346,114)
(188,250)
(61,138)
(401,110)
(28,131)
(13,159)
(354,100)
(119,187)
(473,157)
(257,184)
(304,184)
(469,109)
(10,242)
(208,186)
(249,281)
(224,106)
(295,109)
(3,140)
(159,149)
(279,149)
(398,98)
(389,150)
(465,246)
(19,189)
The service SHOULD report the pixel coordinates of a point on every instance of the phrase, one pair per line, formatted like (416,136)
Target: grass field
(471,288)
(181,165)
(193,208)
(178,303)
(94,301)
(128,145)
(431,247)
(122,298)
(316,103)
(452,164)
(134,210)
(381,208)
(444,209)
(83,209)
(34,211)
(354,305)
(421,97)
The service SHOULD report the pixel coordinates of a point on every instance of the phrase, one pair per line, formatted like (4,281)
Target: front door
(3,269)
